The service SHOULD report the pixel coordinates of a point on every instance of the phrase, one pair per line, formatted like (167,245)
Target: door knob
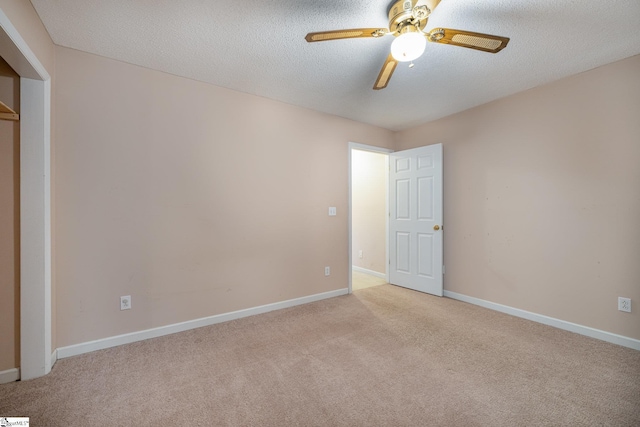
(436,227)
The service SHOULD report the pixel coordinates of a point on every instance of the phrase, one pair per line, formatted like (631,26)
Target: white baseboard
(54,357)
(369,272)
(546,320)
(10,375)
(74,350)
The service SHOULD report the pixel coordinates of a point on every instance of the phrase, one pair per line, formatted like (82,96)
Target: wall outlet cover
(624,304)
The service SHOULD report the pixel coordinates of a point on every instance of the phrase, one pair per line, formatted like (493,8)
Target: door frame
(35,202)
(364,147)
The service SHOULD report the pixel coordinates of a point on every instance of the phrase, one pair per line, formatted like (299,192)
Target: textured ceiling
(258,47)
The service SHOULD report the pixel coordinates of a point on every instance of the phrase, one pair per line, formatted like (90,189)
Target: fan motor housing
(401,14)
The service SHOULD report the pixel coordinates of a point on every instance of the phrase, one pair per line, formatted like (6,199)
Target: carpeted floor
(383,356)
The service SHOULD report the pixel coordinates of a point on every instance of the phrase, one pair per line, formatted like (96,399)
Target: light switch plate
(125,302)
(332,211)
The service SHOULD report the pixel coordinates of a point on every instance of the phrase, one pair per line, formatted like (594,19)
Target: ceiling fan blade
(385,73)
(478,41)
(353,33)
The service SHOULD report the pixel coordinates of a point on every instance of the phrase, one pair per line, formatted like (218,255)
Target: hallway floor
(363,280)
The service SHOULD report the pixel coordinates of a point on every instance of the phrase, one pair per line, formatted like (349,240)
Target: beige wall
(197,200)
(542,198)
(369,209)
(9,222)
(193,199)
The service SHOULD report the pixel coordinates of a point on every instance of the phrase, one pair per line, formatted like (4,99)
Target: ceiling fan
(407,20)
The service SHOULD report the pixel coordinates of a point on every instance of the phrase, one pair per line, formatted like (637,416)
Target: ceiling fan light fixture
(407,22)
(408,46)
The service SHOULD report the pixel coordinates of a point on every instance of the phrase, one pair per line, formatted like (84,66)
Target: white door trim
(363,147)
(35,201)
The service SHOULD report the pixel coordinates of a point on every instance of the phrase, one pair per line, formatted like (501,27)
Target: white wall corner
(35,228)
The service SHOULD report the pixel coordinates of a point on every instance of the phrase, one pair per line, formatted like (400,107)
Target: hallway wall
(369,209)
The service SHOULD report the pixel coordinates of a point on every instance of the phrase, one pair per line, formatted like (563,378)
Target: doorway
(368,216)
(413,235)
(9,221)
(35,203)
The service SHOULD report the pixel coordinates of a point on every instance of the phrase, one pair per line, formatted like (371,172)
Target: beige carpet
(383,356)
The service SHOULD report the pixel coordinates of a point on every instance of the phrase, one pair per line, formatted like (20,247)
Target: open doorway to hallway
(369,218)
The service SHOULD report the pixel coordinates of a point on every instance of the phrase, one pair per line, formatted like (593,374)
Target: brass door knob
(436,227)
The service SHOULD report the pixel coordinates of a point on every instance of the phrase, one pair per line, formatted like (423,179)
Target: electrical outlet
(332,211)
(125,302)
(327,271)
(624,304)
(360,253)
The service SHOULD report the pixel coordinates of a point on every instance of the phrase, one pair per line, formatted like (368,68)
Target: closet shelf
(7,113)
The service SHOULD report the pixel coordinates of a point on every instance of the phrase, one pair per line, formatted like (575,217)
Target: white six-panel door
(415,222)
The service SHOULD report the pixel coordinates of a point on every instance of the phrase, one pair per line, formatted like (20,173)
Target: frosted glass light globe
(408,46)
